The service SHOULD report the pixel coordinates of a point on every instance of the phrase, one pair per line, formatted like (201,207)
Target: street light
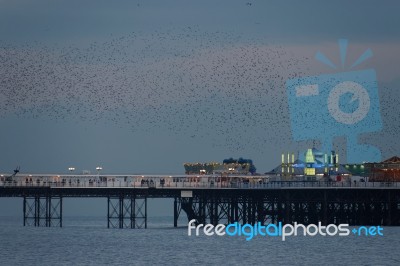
(71,169)
(98,169)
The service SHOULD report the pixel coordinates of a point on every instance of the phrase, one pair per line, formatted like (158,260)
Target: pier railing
(209,184)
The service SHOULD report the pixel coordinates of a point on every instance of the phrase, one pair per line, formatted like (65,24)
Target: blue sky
(144,86)
(299,21)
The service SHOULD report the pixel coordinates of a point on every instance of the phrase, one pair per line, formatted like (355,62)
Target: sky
(145,86)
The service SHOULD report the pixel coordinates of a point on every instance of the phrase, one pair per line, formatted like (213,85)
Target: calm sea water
(87,241)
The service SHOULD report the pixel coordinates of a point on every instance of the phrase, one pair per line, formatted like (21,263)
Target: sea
(88,241)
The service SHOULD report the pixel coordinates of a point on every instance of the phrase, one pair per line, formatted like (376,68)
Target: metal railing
(209,184)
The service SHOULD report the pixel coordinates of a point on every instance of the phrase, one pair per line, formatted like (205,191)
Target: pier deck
(212,201)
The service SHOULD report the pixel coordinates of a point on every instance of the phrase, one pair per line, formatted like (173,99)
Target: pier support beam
(325,209)
(310,207)
(127,211)
(42,211)
(175,213)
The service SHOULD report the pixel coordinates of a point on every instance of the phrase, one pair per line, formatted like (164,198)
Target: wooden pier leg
(325,210)
(121,212)
(24,211)
(175,213)
(108,212)
(145,212)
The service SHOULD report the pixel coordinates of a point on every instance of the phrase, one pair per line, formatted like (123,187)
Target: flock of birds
(207,86)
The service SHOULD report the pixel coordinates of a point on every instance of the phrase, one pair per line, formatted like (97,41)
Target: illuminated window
(310,171)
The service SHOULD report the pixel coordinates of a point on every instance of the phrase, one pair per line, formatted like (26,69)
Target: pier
(209,199)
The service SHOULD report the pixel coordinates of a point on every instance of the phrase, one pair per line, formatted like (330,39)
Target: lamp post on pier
(98,169)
